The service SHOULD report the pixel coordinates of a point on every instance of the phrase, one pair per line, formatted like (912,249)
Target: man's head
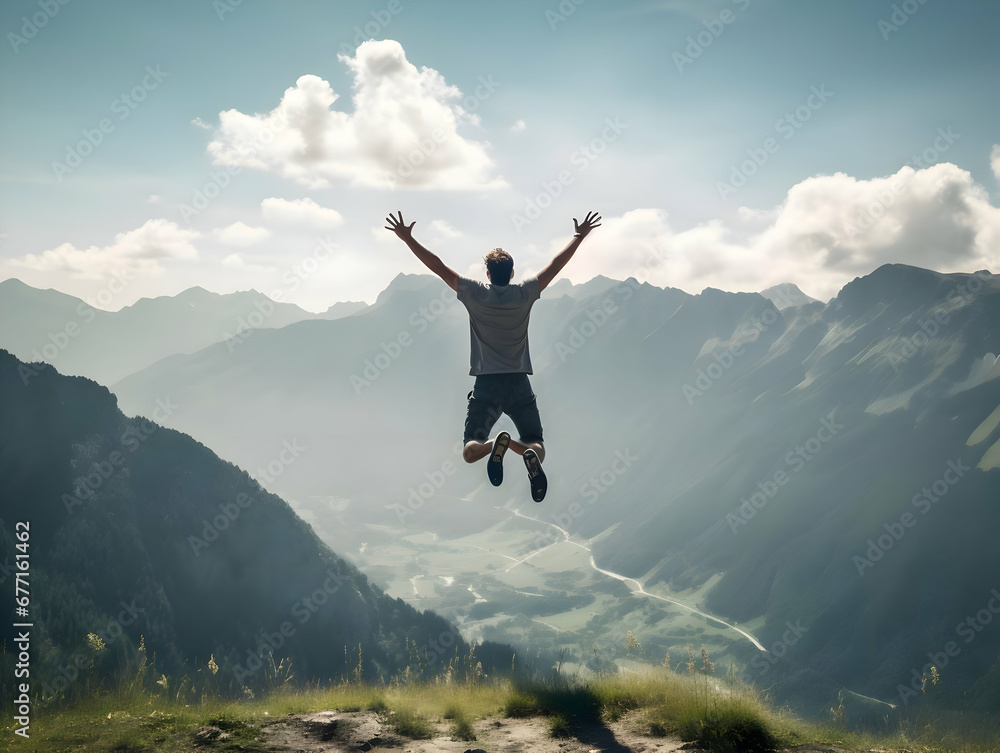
(499,266)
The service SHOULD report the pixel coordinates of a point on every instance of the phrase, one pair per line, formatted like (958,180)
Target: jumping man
(498,322)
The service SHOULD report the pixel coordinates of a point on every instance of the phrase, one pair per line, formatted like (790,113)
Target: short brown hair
(500,265)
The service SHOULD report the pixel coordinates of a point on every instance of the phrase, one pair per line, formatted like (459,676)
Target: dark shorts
(496,394)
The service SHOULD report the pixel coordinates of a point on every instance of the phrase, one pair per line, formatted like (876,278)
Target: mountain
(44,325)
(828,467)
(592,287)
(343,308)
(139,534)
(787,294)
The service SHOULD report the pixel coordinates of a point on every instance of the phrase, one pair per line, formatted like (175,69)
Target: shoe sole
(536,476)
(494,467)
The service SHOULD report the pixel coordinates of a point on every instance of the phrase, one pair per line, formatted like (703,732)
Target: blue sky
(728,143)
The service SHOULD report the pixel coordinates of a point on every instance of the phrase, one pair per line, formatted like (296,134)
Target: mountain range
(85,340)
(825,475)
(141,539)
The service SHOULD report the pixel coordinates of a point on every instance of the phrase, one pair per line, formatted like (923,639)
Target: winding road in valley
(638,588)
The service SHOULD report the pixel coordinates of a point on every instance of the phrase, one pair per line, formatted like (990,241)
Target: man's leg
(480,417)
(519,448)
(524,413)
(475,450)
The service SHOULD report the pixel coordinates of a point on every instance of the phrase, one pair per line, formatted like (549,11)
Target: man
(498,324)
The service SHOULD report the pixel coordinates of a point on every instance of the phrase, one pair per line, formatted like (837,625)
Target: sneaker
(536,476)
(494,466)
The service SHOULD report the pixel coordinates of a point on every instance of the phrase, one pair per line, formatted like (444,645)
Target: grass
(559,727)
(461,725)
(407,723)
(704,710)
(699,709)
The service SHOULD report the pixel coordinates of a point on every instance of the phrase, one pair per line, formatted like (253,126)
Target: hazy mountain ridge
(79,339)
(130,518)
(793,558)
(710,393)
(787,295)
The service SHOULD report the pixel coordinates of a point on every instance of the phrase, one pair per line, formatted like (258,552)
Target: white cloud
(443,229)
(840,227)
(518,126)
(620,247)
(995,160)
(139,250)
(154,199)
(828,230)
(241,234)
(201,124)
(300,212)
(403,130)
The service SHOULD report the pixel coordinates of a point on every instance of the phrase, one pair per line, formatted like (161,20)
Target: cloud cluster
(300,212)
(828,230)
(444,230)
(139,250)
(403,130)
(241,234)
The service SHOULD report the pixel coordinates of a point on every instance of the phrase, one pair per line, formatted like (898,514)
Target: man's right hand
(582,229)
(403,232)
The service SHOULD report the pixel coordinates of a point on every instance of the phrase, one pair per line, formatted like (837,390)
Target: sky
(149,147)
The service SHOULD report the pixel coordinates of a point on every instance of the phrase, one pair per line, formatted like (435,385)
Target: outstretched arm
(582,229)
(431,261)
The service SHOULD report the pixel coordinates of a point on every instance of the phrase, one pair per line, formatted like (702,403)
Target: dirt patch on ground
(339,732)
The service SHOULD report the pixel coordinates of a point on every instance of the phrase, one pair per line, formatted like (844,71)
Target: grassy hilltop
(621,712)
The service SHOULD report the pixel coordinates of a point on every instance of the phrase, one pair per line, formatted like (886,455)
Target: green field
(523,582)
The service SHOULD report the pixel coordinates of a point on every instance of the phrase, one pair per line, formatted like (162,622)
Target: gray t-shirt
(498,323)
